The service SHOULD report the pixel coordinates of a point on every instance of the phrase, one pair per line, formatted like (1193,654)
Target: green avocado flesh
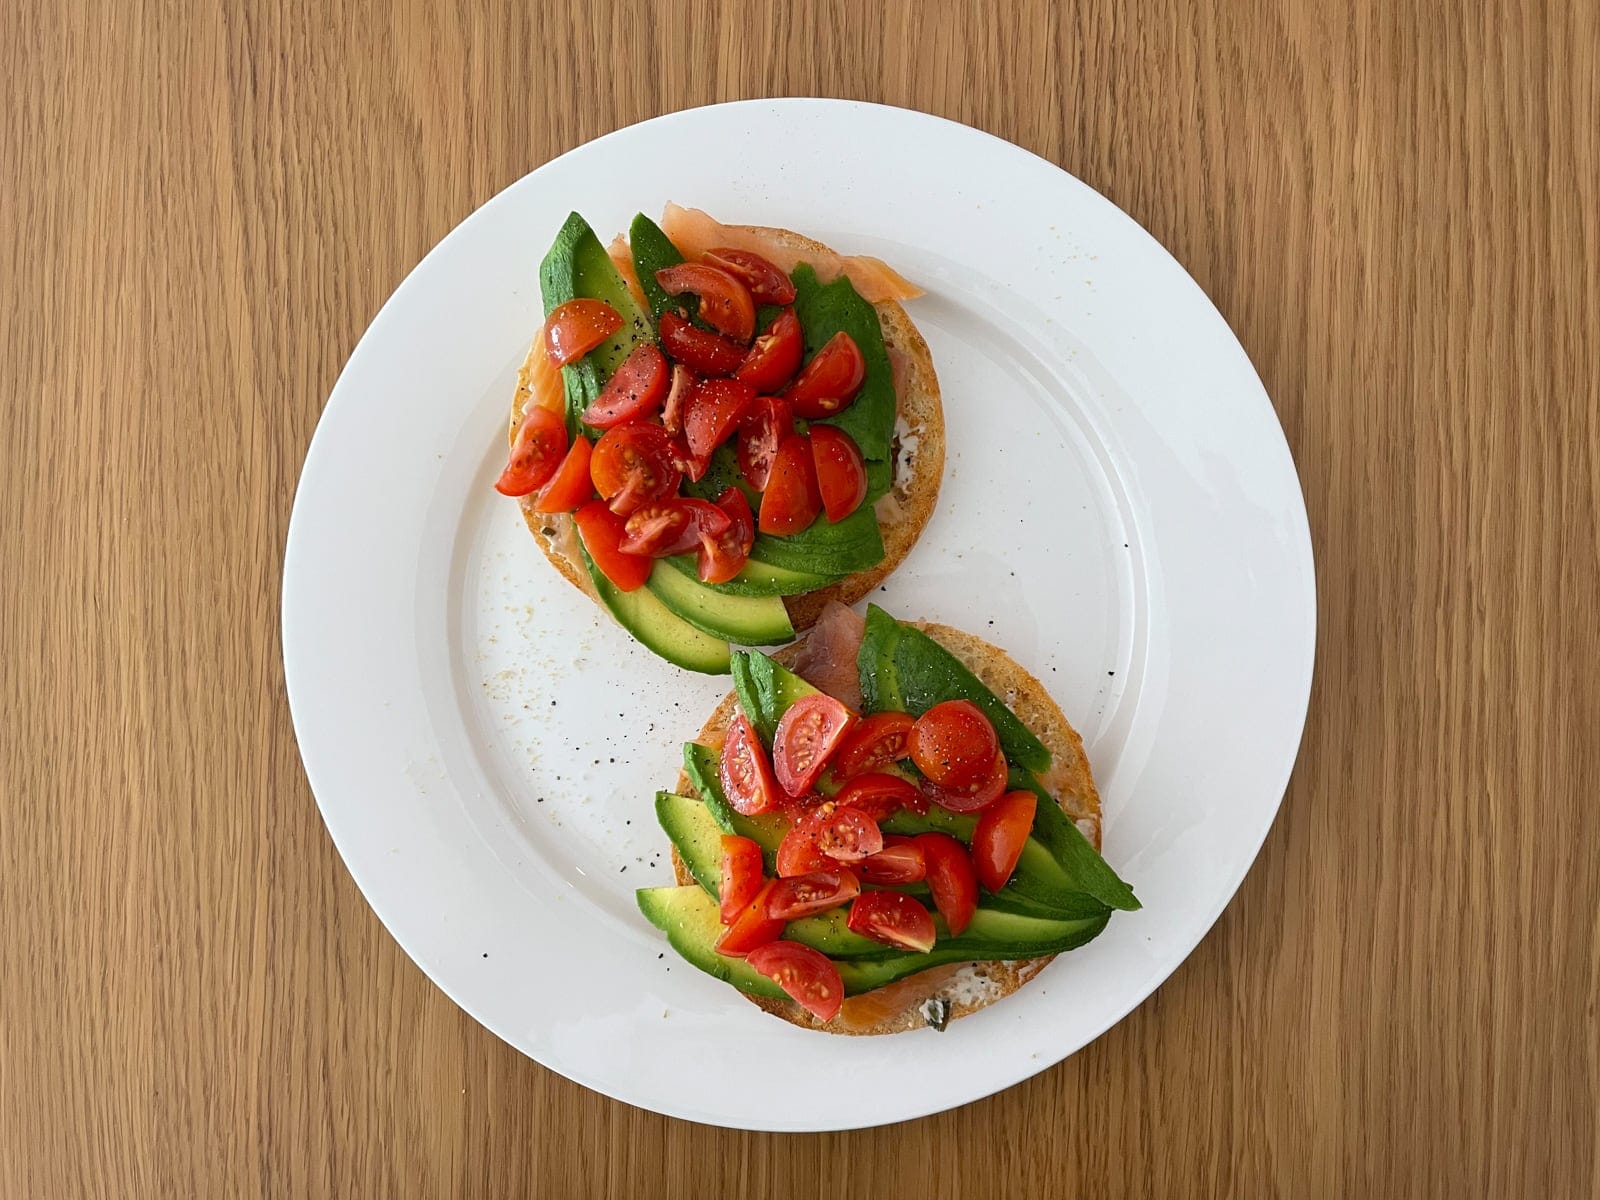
(905,670)
(747,620)
(578,266)
(689,918)
(765,689)
(658,628)
(757,579)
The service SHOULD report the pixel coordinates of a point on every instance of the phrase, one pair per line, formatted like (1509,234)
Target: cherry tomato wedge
(802,895)
(849,835)
(723,556)
(953,744)
(791,500)
(697,349)
(807,735)
(951,879)
(715,409)
(775,357)
(767,284)
(745,773)
(602,530)
(972,799)
(725,300)
(881,796)
(841,471)
(768,421)
(633,464)
(634,392)
(664,527)
(570,487)
(536,452)
(677,399)
(877,741)
(893,918)
(1001,834)
(742,875)
(830,381)
(725,303)
(805,974)
(900,861)
(577,327)
(752,927)
(798,853)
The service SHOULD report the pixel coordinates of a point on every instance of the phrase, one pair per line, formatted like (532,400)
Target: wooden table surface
(1396,206)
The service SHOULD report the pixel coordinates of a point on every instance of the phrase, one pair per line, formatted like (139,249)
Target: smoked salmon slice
(694,232)
(540,379)
(622,256)
(888,1002)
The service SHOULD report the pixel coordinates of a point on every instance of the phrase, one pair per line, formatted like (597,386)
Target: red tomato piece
(1001,834)
(775,357)
(752,927)
(602,531)
(536,452)
(745,772)
(894,919)
(767,284)
(798,853)
(801,895)
(807,735)
(725,303)
(742,875)
(570,487)
(900,861)
(829,382)
(634,392)
(633,464)
(972,799)
(880,796)
(849,835)
(577,327)
(665,527)
(875,743)
(841,471)
(698,349)
(791,500)
(767,423)
(953,744)
(723,556)
(951,879)
(715,409)
(807,975)
(683,382)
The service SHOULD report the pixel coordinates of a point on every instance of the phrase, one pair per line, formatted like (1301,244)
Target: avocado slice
(903,668)
(853,544)
(702,764)
(652,251)
(688,916)
(765,689)
(747,620)
(692,929)
(658,628)
(757,579)
(577,265)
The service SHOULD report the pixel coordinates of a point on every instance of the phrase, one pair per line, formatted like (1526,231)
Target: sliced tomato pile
(714,381)
(834,853)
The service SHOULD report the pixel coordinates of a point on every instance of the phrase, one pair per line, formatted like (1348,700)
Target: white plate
(1119,511)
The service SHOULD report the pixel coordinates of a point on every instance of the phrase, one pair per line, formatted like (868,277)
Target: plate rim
(1300,537)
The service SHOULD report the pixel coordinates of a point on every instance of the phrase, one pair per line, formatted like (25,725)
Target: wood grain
(1397,208)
